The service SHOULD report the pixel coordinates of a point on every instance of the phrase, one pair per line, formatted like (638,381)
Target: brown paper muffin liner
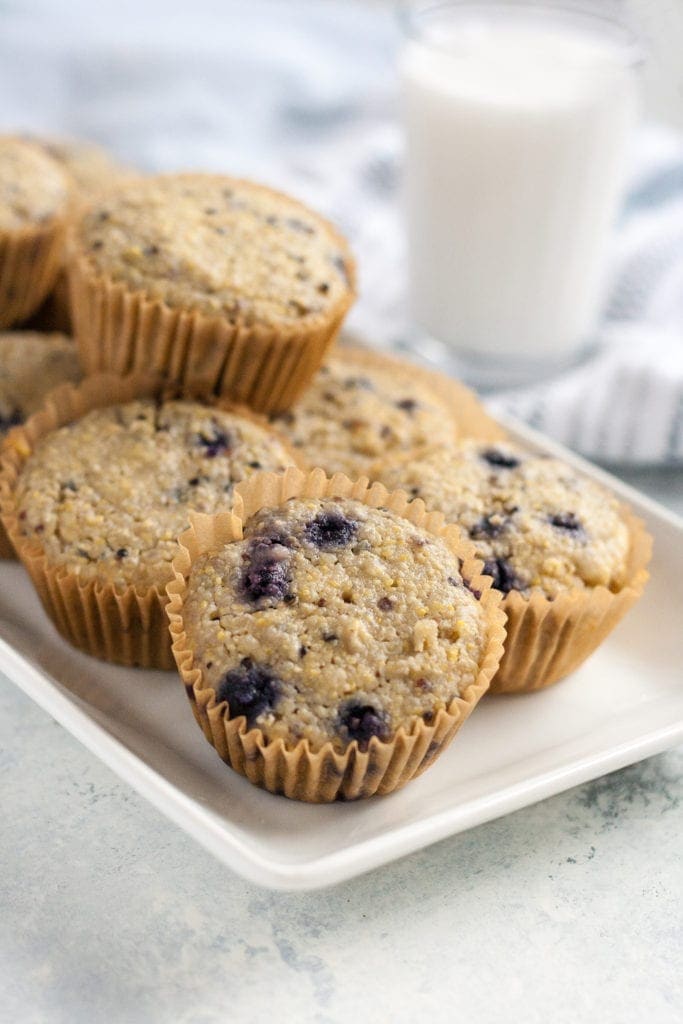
(295,770)
(124,625)
(30,260)
(124,331)
(467,412)
(546,640)
(54,314)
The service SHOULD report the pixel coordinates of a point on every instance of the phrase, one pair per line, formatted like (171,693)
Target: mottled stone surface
(568,911)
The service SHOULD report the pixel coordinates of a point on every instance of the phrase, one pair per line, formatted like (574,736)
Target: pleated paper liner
(294,769)
(123,625)
(30,260)
(548,639)
(467,412)
(124,331)
(54,313)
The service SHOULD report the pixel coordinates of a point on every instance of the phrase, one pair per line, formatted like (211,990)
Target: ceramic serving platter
(624,704)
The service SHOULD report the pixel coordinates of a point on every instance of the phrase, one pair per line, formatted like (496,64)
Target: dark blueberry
(265,579)
(13,419)
(121,553)
(249,690)
(330,530)
(503,575)
(566,521)
(303,651)
(486,528)
(193,482)
(385,604)
(407,404)
(473,590)
(289,598)
(362,721)
(494,457)
(217,442)
(266,573)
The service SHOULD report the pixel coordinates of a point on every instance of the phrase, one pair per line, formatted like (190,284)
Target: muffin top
(354,413)
(221,247)
(537,523)
(333,621)
(33,187)
(108,494)
(91,167)
(30,365)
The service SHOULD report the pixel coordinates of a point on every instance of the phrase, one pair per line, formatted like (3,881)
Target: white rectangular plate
(624,704)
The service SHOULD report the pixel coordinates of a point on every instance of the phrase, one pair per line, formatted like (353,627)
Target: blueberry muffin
(536,523)
(108,494)
(31,364)
(335,626)
(568,557)
(259,283)
(96,487)
(34,206)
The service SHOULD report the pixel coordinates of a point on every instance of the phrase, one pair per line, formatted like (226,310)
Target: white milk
(517,127)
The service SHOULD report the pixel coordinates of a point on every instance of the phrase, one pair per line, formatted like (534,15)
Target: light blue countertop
(567,911)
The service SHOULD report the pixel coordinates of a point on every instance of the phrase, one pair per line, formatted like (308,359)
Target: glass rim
(411,15)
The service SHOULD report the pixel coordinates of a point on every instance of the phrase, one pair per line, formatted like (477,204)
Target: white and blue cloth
(302,94)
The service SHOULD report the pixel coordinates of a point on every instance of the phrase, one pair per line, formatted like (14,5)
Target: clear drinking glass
(518,118)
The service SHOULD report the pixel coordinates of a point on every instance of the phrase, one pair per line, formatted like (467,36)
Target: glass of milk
(518,119)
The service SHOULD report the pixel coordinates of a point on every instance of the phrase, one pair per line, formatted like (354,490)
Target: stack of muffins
(348,551)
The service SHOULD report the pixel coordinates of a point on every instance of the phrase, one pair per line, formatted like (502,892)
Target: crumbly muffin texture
(221,247)
(33,187)
(333,621)
(109,494)
(352,414)
(31,364)
(537,523)
(91,167)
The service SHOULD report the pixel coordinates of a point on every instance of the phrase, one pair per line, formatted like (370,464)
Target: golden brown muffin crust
(219,246)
